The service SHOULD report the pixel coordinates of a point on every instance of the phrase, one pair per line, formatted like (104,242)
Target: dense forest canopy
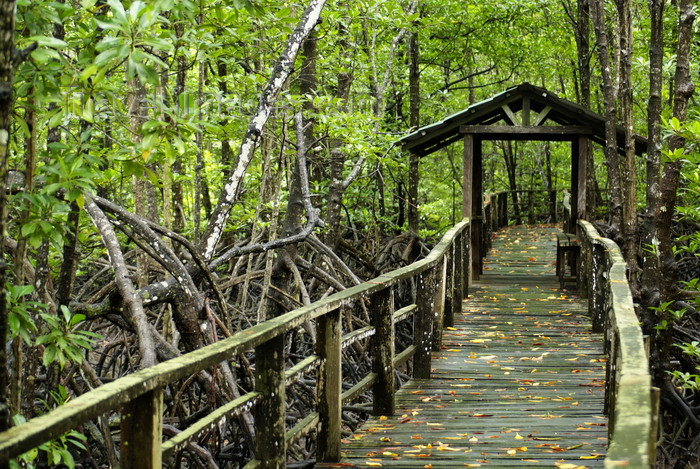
(168,165)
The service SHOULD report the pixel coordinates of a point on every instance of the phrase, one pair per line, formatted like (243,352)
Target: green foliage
(62,343)
(57,450)
(21,312)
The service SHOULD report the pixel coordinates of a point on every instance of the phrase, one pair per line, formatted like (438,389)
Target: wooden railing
(441,282)
(521,206)
(631,402)
(533,206)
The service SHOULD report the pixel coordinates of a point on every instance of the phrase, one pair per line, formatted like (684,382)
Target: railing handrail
(127,389)
(630,398)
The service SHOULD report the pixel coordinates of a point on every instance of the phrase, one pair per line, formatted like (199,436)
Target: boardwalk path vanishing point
(519,381)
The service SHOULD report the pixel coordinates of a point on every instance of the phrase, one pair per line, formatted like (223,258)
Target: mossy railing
(441,282)
(631,402)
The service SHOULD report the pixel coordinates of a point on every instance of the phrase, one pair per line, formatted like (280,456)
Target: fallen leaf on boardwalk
(472,465)
(592,456)
(385,439)
(473,439)
(428,465)
(518,437)
(568,466)
(374,464)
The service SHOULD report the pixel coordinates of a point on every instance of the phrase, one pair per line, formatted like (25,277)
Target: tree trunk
(414,122)
(609,99)
(229,196)
(668,192)
(133,303)
(629,171)
(511,162)
(650,273)
(10,58)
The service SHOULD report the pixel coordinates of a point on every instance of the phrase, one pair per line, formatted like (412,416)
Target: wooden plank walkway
(519,382)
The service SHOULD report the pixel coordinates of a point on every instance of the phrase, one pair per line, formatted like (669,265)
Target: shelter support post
(472,199)
(579,159)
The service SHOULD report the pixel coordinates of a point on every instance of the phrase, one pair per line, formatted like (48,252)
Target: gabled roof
(536,106)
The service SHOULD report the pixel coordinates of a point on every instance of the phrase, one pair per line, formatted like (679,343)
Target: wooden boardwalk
(519,382)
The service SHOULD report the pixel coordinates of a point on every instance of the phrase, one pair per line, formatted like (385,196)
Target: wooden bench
(567,243)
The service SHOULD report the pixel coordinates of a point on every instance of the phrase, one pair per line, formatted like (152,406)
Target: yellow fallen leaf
(592,456)
(518,436)
(373,464)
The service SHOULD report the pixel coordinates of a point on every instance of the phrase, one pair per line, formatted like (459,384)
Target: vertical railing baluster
(382,346)
(141,431)
(449,312)
(423,323)
(598,287)
(439,303)
(329,345)
(270,444)
(465,238)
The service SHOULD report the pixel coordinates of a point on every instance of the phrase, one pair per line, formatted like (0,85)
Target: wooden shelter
(523,112)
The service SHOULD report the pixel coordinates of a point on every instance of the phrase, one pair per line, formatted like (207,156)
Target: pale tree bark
(232,187)
(132,301)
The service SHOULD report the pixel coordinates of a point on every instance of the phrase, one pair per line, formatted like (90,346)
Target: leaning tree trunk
(234,181)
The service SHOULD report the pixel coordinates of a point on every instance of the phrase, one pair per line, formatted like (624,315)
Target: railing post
(458,276)
(465,260)
(382,346)
(423,323)
(449,285)
(597,287)
(439,303)
(270,444)
(141,431)
(329,344)
(503,209)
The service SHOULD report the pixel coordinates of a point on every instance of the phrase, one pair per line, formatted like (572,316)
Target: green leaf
(48,41)
(49,354)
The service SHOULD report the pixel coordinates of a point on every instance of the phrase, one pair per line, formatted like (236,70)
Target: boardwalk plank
(519,382)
